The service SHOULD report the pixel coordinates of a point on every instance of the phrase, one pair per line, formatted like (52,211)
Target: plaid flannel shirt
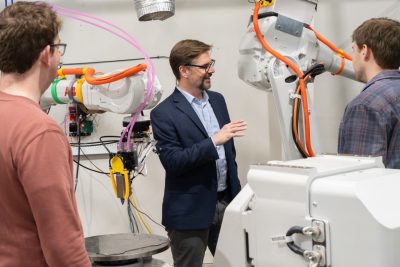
(371,121)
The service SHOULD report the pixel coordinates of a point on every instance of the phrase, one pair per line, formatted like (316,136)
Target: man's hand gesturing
(230,130)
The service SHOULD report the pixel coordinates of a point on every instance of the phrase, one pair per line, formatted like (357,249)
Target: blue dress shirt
(207,117)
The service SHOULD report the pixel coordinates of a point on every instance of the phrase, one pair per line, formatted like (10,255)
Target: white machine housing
(352,199)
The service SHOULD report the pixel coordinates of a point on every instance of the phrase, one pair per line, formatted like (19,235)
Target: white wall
(221,23)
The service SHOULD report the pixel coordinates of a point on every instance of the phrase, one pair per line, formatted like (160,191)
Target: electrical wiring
(94,144)
(132,219)
(295,123)
(302,89)
(311,73)
(111,61)
(132,201)
(147,216)
(87,168)
(296,70)
(104,143)
(99,170)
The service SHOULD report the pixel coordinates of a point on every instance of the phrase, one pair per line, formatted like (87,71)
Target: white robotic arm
(323,211)
(291,39)
(122,96)
(124,92)
(287,34)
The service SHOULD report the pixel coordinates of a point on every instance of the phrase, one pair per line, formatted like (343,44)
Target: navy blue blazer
(188,156)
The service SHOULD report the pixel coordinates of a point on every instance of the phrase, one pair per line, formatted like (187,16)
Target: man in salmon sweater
(39,220)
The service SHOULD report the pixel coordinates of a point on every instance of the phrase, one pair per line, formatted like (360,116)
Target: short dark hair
(26,28)
(382,36)
(184,52)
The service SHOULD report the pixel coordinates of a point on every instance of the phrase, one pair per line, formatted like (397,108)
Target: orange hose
(267,47)
(294,122)
(294,126)
(295,69)
(341,67)
(89,73)
(330,45)
(113,77)
(306,116)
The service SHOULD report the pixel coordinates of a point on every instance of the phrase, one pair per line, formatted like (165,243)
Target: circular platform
(124,248)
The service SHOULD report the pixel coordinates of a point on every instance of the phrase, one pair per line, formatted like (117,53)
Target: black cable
(93,144)
(79,157)
(292,246)
(85,167)
(294,230)
(112,61)
(315,70)
(132,219)
(263,15)
(130,202)
(89,144)
(99,170)
(104,142)
(297,126)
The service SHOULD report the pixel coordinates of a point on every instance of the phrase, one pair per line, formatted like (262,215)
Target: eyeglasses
(205,67)
(60,47)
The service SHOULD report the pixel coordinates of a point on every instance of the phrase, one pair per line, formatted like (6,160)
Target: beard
(206,82)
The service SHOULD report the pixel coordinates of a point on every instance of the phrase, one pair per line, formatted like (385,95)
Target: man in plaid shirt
(371,121)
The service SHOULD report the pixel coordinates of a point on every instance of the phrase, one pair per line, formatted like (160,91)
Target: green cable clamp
(54,91)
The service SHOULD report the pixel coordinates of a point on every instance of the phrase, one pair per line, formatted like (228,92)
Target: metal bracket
(321,226)
(288,25)
(319,241)
(321,250)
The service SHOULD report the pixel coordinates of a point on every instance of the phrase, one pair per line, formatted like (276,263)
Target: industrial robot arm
(323,211)
(124,92)
(118,92)
(277,53)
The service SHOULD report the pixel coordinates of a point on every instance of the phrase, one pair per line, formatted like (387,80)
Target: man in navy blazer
(195,142)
